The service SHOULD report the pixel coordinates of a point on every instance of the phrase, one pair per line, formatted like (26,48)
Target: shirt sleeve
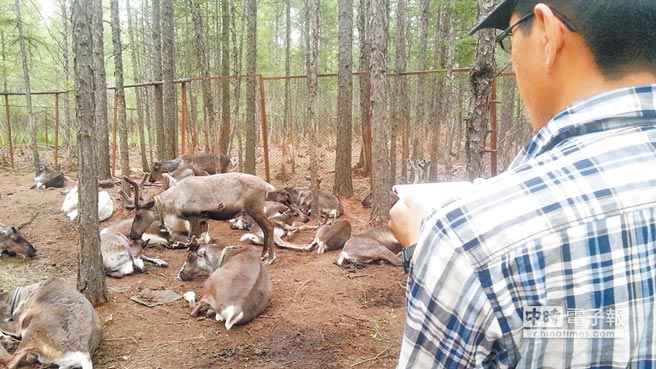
(450,322)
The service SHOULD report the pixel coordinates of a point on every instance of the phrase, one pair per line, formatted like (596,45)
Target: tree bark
(224,134)
(313,90)
(482,77)
(365,89)
(168,90)
(378,68)
(25,57)
(91,277)
(251,65)
(100,80)
(399,94)
(136,72)
(420,103)
(120,91)
(203,65)
(158,103)
(343,180)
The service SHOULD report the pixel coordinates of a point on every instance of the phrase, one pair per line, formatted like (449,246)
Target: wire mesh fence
(425,120)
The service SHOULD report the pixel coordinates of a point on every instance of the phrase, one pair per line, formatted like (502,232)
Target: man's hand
(405,220)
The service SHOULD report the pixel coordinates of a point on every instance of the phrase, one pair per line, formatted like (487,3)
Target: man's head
(575,48)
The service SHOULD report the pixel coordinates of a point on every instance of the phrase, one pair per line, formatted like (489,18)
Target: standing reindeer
(218,197)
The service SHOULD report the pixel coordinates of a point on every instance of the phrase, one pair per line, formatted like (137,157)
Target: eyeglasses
(504,38)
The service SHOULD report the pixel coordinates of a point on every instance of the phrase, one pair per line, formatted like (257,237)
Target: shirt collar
(610,110)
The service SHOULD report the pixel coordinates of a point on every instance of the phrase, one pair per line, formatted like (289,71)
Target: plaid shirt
(538,263)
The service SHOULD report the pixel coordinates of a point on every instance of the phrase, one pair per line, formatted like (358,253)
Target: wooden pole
(11,137)
(265,138)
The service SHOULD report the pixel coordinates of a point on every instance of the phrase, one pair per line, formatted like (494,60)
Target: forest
(240,82)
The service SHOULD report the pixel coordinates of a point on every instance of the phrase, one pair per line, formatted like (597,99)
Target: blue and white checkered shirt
(551,264)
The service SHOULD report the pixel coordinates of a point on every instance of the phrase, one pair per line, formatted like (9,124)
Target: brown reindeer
(201,164)
(13,241)
(52,319)
(239,290)
(218,197)
(375,244)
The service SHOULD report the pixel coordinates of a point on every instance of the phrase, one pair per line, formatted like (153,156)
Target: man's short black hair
(621,34)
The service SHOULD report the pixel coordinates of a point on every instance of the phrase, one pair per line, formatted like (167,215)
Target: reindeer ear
(202,253)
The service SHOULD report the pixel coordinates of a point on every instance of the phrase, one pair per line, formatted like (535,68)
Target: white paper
(432,195)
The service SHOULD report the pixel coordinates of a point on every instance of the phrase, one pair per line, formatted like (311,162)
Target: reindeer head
(14,242)
(197,263)
(145,214)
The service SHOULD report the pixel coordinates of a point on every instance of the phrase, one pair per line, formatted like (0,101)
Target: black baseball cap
(499,18)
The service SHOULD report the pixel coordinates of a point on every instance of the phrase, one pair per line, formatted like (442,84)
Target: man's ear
(553,33)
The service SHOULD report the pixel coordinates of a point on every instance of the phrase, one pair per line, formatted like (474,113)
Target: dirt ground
(321,316)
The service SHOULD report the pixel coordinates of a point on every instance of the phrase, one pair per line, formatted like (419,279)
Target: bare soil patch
(321,316)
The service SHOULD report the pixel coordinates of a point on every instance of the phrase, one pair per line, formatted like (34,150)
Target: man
(552,263)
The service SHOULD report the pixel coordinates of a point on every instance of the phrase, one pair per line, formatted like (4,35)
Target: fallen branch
(373,358)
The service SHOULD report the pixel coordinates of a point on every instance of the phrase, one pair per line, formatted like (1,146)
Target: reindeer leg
(269,249)
(158,262)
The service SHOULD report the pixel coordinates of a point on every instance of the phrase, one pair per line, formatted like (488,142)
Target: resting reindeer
(120,258)
(301,197)
(331,236)
(238,290)
(48,177)
(283,225)
(218,197)
(13,241)
(201,165)
(202,260)
(374,244)
(52,319)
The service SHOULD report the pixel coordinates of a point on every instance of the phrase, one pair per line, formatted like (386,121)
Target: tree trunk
(251,65)
(482,77)
(313,91)
(169,92)
(136,72)
(365,89)
(158,103)
(100,79)
(120,91)
(287,126)
(343,180)
(203,65)
(402,101)
(66,65)
(224,135)
(420,103)
(399,92)
(91,277)
(25,57)
(378,68)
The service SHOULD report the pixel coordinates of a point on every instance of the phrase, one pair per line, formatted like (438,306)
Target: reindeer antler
(136,190)
(29,221)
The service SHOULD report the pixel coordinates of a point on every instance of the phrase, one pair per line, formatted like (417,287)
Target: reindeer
(202,260)
(218,197)
(120,258)
(238,290)
(301,198)
(176,233)
(371,245)
(13,241)
(52,319)
(331,236)
(283,225)
(48,177)
(201,164)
